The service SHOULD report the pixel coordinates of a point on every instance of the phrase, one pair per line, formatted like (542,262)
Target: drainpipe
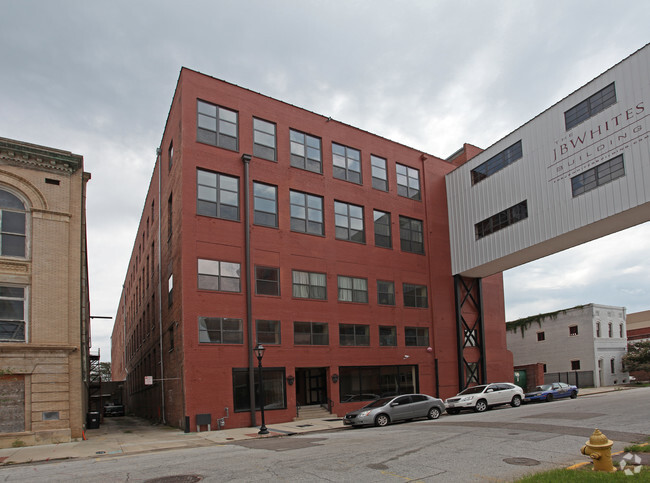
(160,330)
(246,158)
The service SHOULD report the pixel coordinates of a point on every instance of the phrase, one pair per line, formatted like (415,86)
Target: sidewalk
(131,435)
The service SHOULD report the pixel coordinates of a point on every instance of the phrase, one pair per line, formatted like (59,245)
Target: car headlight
(363,414)
(466,398)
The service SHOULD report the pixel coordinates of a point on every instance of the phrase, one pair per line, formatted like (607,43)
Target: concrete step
(312,412)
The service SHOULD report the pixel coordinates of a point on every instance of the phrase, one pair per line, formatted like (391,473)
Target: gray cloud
(97,78)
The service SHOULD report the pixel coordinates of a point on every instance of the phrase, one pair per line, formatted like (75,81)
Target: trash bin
(92,420)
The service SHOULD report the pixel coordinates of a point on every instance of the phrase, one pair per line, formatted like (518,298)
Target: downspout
(160,330)
(246,158)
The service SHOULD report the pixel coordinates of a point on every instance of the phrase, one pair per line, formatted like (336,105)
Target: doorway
(311,385)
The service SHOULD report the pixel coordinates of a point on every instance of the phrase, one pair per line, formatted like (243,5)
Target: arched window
(12,225)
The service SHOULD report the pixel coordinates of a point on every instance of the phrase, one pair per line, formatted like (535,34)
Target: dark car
(114,410)
(382,411)
(548,392)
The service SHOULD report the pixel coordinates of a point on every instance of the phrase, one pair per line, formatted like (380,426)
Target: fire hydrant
(599,449)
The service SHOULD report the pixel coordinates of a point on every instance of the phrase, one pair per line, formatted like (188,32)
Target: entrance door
(311,386)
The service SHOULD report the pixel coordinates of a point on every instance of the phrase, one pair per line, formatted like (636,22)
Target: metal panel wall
(553,155)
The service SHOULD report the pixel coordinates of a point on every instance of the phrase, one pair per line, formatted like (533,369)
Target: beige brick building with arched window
(44,314)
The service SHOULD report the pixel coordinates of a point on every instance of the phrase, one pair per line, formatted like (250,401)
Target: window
(387,335)
(220,276)
(306,213)
(612,367)
(309,285)
(591,106)
(382,229)
(353,289)
(310,333)
(575,365)
(347,163)
(541,336)
(544,368)
(170,228)
(305,151)
(610,331)
(379,173)
(50,415)
(216,126)
(170,154)
(12,314)
(274,384)
(171,337)
(598,176)
(220,330)
(268,331)
(411,235)
(502,220)
(12,225)
(416,336)
(368,383)
(265,205)
(415,295)
(573,330)
(170,289)
(497,163)
(267,281)
(349,222)
(264,139)
(408,182)
(471,338)
(597,329)
(385,292)
(620,330)
(354,334)
(217,195)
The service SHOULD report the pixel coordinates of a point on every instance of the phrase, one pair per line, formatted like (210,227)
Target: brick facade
(49,362)
(157,332)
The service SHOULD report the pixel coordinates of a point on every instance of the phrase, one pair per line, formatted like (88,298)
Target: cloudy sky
(97,77)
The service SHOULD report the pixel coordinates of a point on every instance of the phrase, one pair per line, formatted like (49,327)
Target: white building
(587,342)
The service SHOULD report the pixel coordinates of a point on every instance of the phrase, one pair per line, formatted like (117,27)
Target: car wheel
(382,420)
(516,401)
(574,394)
(453,411)
(481,406)
(549,397)
(434,413)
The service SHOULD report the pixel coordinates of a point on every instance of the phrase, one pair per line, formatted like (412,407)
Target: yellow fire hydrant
(599,449)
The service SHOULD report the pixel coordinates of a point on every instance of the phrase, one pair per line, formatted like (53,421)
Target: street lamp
(259,353)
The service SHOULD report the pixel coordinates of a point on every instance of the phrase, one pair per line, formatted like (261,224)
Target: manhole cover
(175,479)
(521,461)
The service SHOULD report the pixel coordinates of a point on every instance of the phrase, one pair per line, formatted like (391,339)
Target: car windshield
(544,387)
(472,390)
(379,402)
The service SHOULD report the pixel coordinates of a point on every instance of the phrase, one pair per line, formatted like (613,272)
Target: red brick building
(346,245)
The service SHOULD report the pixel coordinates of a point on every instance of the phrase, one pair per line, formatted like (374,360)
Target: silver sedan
(395,408)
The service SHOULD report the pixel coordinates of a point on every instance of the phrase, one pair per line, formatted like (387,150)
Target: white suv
(479,398)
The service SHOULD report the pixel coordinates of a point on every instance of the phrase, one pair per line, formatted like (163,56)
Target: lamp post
(259,353)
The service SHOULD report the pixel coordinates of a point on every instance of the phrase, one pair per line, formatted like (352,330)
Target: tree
(105,371)
(638,356)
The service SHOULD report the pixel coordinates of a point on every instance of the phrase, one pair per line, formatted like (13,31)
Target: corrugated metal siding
(537,177)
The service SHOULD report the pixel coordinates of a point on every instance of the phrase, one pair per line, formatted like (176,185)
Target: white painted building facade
(590,338)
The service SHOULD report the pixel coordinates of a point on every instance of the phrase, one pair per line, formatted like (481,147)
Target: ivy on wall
(524,323)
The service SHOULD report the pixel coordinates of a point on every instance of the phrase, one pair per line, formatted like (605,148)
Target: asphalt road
(500,445)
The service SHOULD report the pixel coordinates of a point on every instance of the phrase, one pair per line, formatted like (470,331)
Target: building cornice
(39,156)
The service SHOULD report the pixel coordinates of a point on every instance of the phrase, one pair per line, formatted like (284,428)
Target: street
(501,444)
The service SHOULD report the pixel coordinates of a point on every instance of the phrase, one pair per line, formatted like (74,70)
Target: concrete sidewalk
(131,435)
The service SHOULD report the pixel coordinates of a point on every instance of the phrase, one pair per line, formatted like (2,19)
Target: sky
(97,78)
